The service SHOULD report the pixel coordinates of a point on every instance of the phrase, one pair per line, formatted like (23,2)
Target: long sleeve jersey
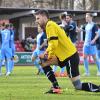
(58,43)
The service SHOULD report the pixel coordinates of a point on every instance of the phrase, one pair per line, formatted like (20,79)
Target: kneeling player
(60,51)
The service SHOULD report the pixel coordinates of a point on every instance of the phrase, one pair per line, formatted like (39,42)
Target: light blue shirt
(38,40)
(88,35)
(6,37)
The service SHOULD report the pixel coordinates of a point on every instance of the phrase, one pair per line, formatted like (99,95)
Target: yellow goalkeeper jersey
(58,42)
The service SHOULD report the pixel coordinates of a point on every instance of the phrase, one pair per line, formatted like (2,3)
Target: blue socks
(12,65)
(86,65)
(98,64)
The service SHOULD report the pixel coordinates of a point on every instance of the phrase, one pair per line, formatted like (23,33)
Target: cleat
(54,91)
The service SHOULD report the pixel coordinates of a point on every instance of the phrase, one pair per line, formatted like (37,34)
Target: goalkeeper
(60,51)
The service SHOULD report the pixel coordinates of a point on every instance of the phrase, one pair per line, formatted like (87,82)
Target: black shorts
(72,65)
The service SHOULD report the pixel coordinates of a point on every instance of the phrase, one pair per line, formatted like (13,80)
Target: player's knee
(77,84)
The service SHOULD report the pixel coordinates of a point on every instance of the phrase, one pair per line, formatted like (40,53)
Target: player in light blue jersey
(12,45)
(6,48)
(89,44)
(0,52)
(1,28)
(40,48)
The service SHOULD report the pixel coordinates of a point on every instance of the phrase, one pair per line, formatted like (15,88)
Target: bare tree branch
(0,2)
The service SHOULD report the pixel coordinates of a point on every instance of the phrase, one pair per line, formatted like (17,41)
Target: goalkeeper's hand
(43,58)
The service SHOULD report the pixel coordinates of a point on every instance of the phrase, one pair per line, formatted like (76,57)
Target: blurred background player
(71,28)
(12,32)
(6,51)
(89,47)
(40,48)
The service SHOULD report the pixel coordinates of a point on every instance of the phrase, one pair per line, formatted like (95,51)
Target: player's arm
(72,27)
(52,37)
(95,38)
(96,35)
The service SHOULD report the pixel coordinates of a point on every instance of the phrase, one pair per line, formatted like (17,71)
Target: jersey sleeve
(52,37)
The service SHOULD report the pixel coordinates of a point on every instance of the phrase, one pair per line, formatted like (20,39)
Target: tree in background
(0,2)
(53,4)
(87,4)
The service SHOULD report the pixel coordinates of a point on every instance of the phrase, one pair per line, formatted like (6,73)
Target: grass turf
(24,84)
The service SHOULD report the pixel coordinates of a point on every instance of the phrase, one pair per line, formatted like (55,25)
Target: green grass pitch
(24,84)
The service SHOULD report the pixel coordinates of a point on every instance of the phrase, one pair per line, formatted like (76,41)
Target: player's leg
(12,64)
(12,59)
(98,54)
(40,69)
(2,58)
(86,63)
(73,72)
(38,60)
(98,57)
(97,63)
(50,74)
(8,55)
(93,53)
(35,60)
